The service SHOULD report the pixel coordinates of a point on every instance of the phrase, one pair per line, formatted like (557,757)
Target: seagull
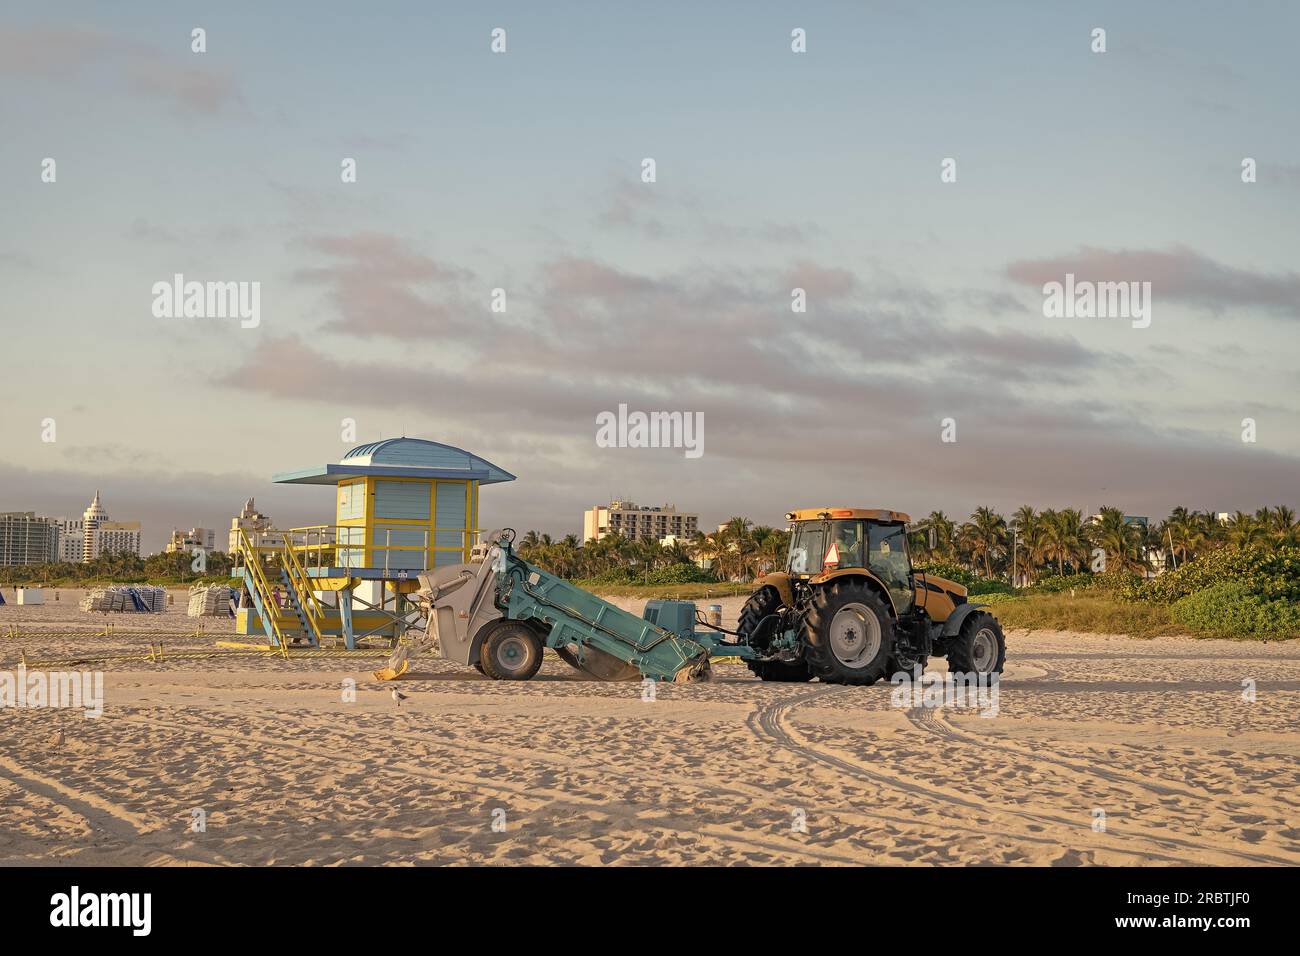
(398,696)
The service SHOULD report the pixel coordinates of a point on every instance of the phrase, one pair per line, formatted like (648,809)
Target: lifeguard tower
(402,506)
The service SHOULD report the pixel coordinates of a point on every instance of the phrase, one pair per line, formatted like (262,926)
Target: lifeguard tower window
(405,500)
(451,519)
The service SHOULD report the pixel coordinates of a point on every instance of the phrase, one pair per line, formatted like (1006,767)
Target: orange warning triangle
(832,558)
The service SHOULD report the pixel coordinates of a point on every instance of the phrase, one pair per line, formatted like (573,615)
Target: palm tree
(1031,543)
(1178,531)
(984,537)
(1244,530)
(709,548)
(677,553)
(1284,526)
(940,529)
(738,549)
(772,551)
(1065,539)
(1120,539)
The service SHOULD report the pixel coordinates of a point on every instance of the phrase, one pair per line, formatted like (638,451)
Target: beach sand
(1153,734)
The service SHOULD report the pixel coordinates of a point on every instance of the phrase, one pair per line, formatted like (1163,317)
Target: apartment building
(630,520)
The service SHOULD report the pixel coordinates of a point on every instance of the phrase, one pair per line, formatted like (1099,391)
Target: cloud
(864,362)
(820,281)
(1177,274)
(870,439)
(188,88)
(626,205)
(52,52)
(585,278)
(64,54)
(660,210)
(379,285)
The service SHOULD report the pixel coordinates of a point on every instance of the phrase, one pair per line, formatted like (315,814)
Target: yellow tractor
(849,608)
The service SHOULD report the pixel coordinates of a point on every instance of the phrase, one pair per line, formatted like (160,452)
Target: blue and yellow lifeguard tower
(402,506)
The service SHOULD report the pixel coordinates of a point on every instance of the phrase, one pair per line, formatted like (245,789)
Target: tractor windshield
(818,545)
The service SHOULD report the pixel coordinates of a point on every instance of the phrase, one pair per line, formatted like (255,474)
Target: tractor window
(809,546)
(805,548)
(846,537)
(890,561)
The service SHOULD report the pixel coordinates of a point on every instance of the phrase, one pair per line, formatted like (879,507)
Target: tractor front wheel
(848,634)
(512,651)
(763,603)
(979,648)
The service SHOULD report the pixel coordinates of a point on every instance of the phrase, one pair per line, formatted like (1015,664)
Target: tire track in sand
(930,720)
(103,816)
(771,720)
(629,815)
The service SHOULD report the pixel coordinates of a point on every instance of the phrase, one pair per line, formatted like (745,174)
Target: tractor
(849,608)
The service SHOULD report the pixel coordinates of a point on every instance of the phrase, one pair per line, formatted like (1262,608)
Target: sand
(1154,734)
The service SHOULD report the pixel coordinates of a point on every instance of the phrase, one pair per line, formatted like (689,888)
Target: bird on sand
(398,696)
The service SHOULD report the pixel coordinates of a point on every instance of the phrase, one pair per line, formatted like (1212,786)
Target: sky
(774,170)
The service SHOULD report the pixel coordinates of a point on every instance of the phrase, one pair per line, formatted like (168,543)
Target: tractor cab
(826,541)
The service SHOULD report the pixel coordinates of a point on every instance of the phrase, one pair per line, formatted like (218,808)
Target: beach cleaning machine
(856,615)
(499,612)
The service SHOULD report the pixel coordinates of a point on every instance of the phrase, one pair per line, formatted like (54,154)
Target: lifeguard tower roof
(400,458)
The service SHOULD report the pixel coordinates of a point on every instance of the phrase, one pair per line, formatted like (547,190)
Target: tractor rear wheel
(979,648)
(848,634)
(512,651)
(762,603)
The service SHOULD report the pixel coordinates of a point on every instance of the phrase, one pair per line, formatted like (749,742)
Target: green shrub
(621,575)
(1232,609)
(1273,575)
(1117,582)
(985,588)
(680,573)
(1089,613)
(1058,583)
(952,572)
(995,597)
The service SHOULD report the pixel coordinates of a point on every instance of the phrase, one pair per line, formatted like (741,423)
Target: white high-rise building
(72,540)
(90,521)
(93,534)
(252,522)
(27,538)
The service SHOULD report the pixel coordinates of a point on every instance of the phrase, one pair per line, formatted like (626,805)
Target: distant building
(72,539)
(1128,519)
(90,521)
(28,538)
(115,537)
(98,534)
(252,522)
(186,541)
(627,519)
